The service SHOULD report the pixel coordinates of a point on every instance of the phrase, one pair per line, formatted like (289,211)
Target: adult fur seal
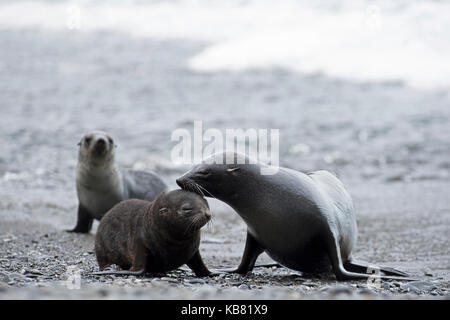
(154,237)
(305,222)
(101,184)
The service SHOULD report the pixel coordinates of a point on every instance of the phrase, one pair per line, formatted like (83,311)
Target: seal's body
(101,184)
(305,222)
(155,237)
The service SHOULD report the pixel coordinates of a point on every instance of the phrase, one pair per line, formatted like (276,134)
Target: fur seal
(154,237)
(305,222)
(101,184)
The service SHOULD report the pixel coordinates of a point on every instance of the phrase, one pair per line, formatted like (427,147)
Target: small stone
(420,286)
(243,287)
(386,285)
(169,279)
(195,280)
(338,289)
(4,277)
(366,291)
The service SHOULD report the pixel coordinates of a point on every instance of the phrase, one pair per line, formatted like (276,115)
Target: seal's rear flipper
(362,267)
(84,222)
(341,273)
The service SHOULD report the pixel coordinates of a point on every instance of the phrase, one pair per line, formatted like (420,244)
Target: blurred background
(360,88)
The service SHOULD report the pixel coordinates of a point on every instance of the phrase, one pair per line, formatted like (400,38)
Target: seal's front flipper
(197,265)
(251,252)
(121,273)
(84,222)
(362,267)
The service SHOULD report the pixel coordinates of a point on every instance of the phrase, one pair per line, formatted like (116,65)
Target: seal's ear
(160,200)
(233,169)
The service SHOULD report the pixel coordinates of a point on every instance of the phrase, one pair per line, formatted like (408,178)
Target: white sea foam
(356,40)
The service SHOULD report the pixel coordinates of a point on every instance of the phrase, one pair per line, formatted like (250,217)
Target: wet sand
(388,143)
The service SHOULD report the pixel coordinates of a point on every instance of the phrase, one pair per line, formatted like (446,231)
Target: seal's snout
(101,145)
(182,182)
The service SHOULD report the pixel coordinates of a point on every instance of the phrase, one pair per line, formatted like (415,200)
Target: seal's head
(181,212)
(220,176)
(96,147)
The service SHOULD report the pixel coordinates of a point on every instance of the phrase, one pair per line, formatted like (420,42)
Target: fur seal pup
(154,237)
(305,222)
(101,184)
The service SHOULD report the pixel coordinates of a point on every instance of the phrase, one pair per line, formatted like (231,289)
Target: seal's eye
(203,172)
(163,210)
(87,140)
(187,208)
(110,140)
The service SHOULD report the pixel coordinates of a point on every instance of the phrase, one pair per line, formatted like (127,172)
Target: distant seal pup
(153,237)
(101,184)
(305,222)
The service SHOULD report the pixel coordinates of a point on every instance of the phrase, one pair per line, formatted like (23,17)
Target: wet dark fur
(153,237)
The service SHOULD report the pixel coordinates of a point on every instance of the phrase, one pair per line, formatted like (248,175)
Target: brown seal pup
(101,184)
(153,237)
(305,222)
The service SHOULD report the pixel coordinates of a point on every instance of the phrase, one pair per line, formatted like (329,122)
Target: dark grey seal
(305,222)
(101,184)
(153,237)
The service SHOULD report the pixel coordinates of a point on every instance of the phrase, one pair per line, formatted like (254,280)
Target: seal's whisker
(209,224)
(192,225)
(194,188)
(203,188)
(198,188)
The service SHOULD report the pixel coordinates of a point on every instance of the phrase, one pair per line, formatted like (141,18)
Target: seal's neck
(95,175)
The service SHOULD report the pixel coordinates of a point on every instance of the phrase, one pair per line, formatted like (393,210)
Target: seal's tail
(362,267)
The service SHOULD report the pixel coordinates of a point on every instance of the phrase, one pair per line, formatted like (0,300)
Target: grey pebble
(195,280)
(338,289)
(366,291)
(419,286)
(169,279)
(386,285)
